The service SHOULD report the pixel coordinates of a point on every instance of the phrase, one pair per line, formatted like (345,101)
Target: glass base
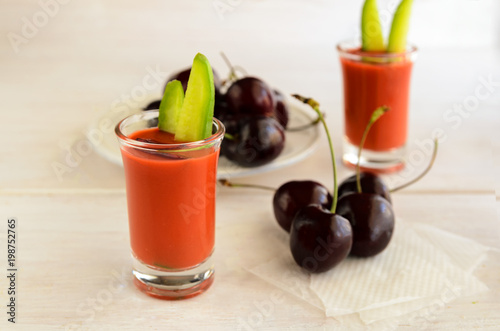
(173,284)
(374,161)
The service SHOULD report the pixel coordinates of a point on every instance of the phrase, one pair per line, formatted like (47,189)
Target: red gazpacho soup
(171,202)
(369,85)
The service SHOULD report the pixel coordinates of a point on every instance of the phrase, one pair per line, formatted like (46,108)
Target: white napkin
(422,266)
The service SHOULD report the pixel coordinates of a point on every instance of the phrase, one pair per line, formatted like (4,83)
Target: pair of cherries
(324,229)
(362,224)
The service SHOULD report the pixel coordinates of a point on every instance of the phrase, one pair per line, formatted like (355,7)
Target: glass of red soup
(171,206)
(371,80)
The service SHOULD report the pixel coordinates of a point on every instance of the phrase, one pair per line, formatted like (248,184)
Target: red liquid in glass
(171,203)
(369,85)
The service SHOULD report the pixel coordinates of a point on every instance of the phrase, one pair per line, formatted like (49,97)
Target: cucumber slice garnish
(371,29)
(400,27)
(170,106)
(194,121)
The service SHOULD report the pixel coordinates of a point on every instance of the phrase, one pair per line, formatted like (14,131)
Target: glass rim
(183,146)
(344,48)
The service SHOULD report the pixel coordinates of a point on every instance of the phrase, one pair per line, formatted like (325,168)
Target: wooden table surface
(65,63)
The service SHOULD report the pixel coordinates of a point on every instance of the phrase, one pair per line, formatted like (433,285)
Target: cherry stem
(373,118)
(228,136)
(226,182)
(429,166)
(232,71)
(241,70)
(315,105)
(305,126)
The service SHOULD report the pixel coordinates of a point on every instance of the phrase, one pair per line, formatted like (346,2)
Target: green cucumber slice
(195,118)
(400,27)
(371,29)
(170,106)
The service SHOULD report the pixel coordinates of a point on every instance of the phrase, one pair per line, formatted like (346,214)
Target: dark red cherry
(370,183)
(171,156)
(294,195)
(372,221)
(252,141)
(231,138)
(250,96)
(319,240)
(220,107)
(146,140)
(182,76)
(281,109)
(153,105)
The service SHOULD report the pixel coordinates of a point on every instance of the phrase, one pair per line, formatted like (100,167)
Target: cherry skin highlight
(250,96)
(372,221)
(253,140)
(294,195)
(281,110)
(370,183)
(319,240)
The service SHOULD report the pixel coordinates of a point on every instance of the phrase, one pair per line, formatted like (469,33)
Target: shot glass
(371,80)
(171,208)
